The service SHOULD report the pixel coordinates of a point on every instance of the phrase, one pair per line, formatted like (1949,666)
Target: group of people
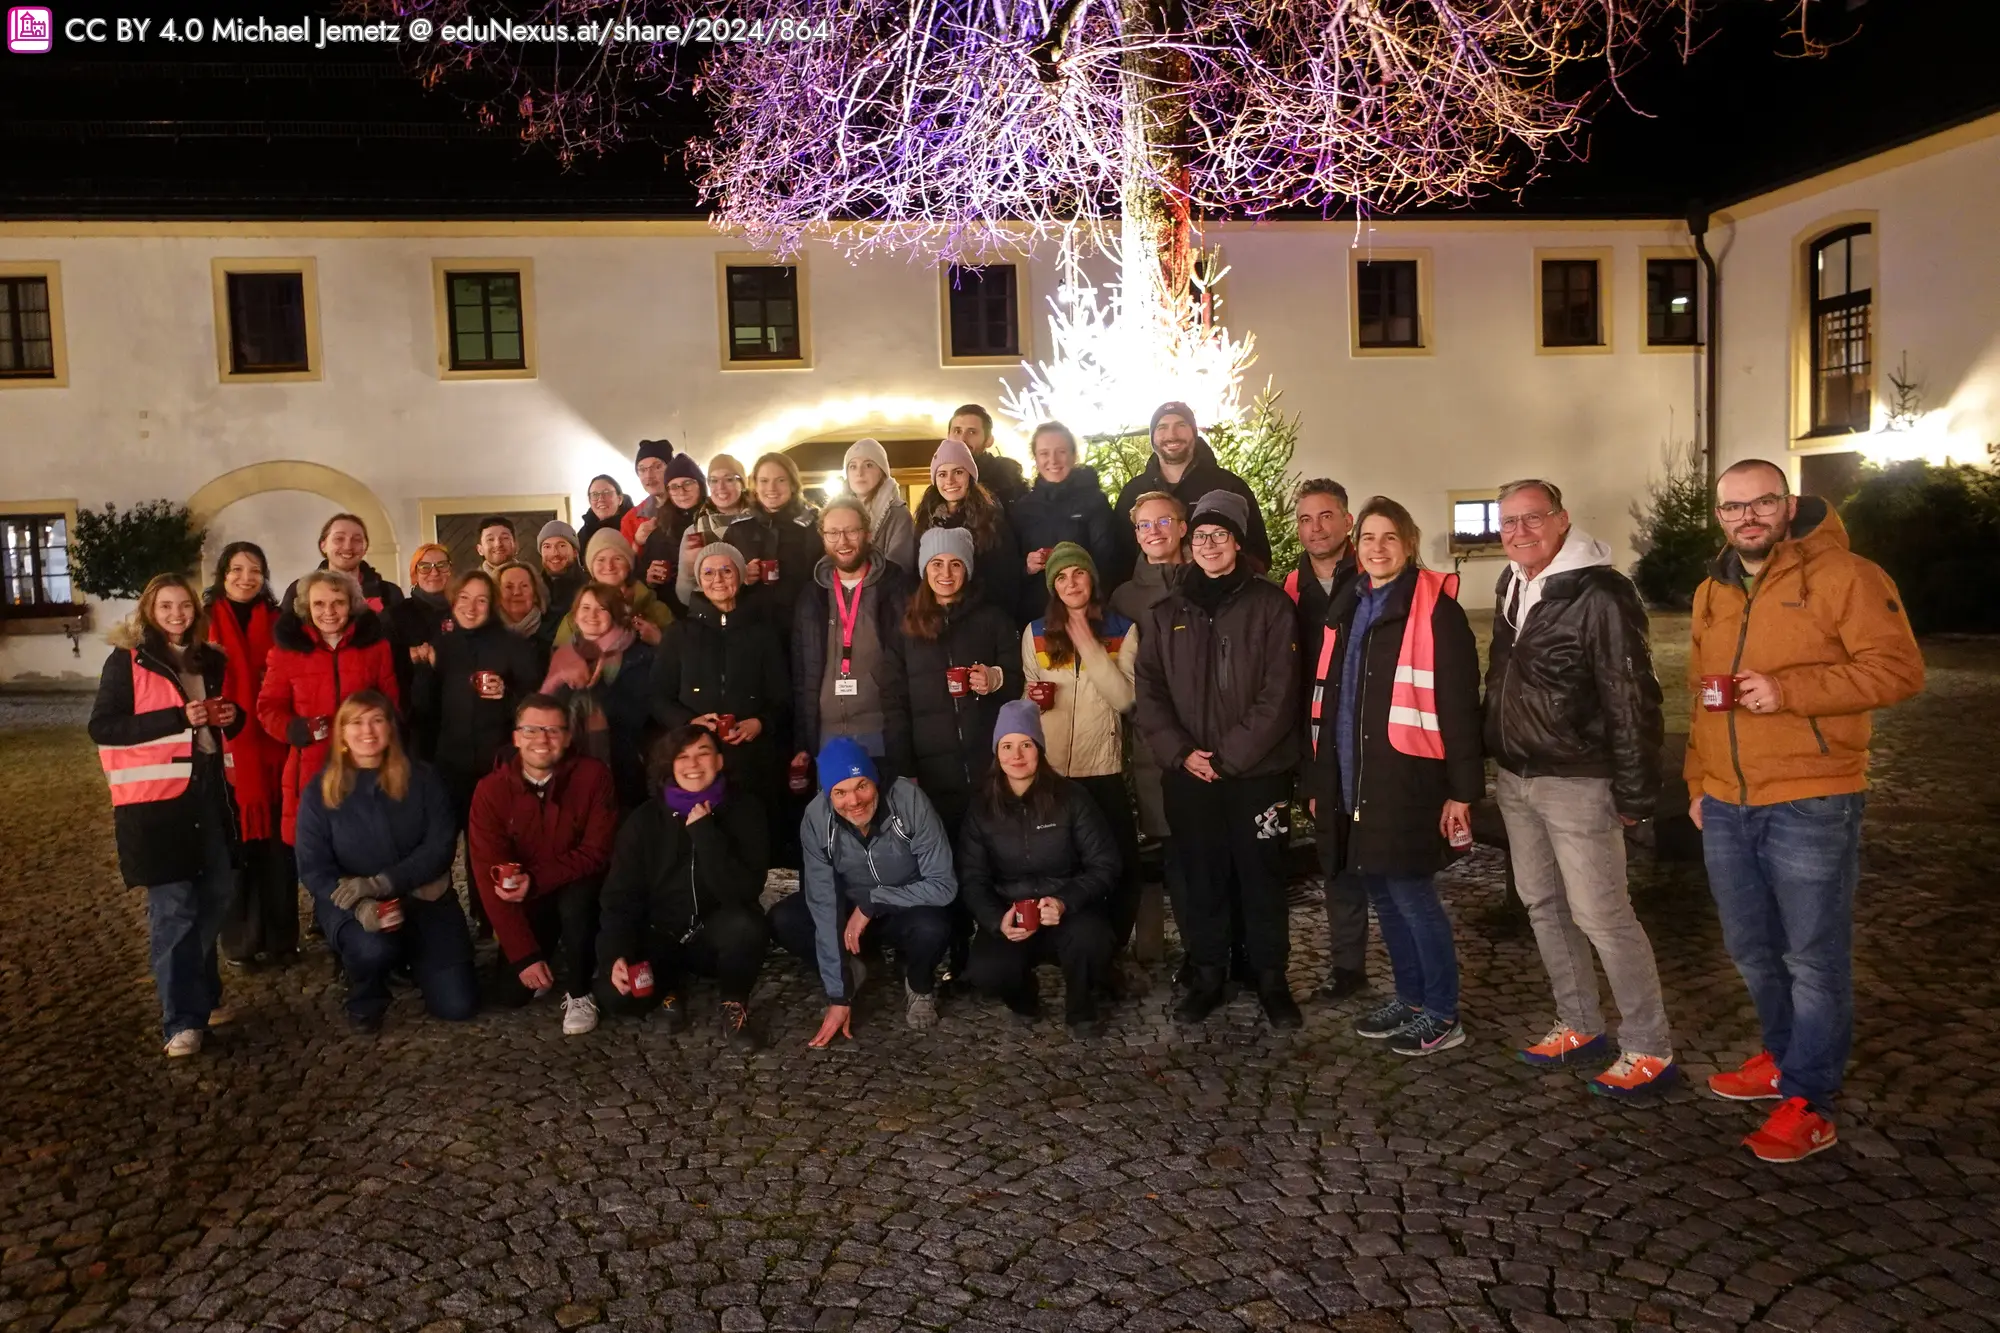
(959,721)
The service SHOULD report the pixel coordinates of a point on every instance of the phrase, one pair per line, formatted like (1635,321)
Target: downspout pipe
(1697,224)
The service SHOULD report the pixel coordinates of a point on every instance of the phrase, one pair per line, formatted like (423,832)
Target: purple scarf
(680,800)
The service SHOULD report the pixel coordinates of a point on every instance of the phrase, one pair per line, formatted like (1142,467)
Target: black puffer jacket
(1204,474)
(469,730)
(791,537)
(1401,796)
(952,735)
(1004,477)
(1226,682)
(1015,852)
(1072,510)
(668,873)
(996,561)
(712,662)
(1573,694)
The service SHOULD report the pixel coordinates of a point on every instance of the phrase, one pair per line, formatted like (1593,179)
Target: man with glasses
(540,833)
(847,677)
(1796,641)
(1573,724)
(650,465)
(1184,467)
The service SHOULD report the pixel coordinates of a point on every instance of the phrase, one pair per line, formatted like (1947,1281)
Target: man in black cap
(1184,467)
(650,464)
(1218,705)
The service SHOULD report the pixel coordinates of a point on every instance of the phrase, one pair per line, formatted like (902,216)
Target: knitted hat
(557,528)
(681,467)
(1222,509)
(951,451)
(1181,410)
(608,539)
(660,449)
(727,552)
(1068,555)
(870,449)
(840,759)
(944,541)
(423,551)
(1019,717)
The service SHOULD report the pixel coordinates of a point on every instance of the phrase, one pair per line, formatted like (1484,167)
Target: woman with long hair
(1066,504)
(1036,864)
(779,536)
(263,925)
(892,530)
(955,499)
(609,560)
(343,544)
(604,678)
(375,841)
(1078,660)
(608,506)
(521,600)
(160,722)
(1396,764)
(683,893)
(728,500)
(326,646)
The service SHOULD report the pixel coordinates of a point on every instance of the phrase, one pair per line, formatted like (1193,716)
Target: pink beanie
(952,452)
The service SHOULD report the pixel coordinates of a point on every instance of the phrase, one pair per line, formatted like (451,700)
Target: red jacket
(558,838)
(256,759)
(306,679)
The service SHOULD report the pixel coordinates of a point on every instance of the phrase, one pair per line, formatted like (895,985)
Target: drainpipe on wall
(1697,223)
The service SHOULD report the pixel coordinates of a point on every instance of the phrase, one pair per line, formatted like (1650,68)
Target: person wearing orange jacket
(1796,641)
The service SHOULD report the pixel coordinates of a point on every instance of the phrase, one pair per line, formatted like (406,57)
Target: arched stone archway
(315,478)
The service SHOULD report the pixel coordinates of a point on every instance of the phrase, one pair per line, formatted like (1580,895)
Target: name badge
(847,689)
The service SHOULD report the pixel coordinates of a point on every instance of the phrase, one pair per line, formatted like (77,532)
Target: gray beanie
(727,552)
(944,541)
(1019,717)
(1222,509)
(557,528)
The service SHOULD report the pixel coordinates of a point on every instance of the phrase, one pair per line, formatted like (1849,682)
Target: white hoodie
(1579,550)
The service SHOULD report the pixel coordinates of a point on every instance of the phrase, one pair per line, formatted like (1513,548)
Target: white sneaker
(185,1042)
(579,1015)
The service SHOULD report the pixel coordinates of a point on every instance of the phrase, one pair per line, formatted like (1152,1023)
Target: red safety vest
(153,770)
(1413,719)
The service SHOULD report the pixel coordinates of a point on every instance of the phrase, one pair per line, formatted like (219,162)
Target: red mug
(641,977)
(957,681)
(389,914)
(697,540)
(1028,914)
(1718,693)
(800,783)
(725,726)
(1461,837)
(321,726)
(1043,692)
(488,684)
(770,571)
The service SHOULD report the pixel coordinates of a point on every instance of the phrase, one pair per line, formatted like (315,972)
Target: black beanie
(1181,410)
(660,449)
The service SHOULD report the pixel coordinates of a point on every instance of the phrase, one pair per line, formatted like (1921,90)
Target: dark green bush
(1677,536)
(1936,530)
(114,555)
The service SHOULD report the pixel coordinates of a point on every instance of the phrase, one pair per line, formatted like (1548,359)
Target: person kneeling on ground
(1036,864)
(540,836)
(870,855)
(682,895)
(375,843)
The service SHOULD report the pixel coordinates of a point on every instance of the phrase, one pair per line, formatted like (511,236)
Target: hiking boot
(1755,1081)
(1341,983)
(919,1011)
(364,1025)
(737,1033)
(579,1015)
(1280,1009)
(1793,1133)
(1428,1035)
(184,1043)
(1024,1004)
(1207,989)
(673,1013)
(1386,1020)
(1083,1020)
(1632,1075)
(1562,1045)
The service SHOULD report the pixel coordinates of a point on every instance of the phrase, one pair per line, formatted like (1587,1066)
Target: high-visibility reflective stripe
(178,738)
(179,769)
(1411,717)
(1417,676)
(155,770)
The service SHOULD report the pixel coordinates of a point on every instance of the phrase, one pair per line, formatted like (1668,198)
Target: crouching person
(872,856)
(1036,864)
(375,842)
(540,835)
(682,896)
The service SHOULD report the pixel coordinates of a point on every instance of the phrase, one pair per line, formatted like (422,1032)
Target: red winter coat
(557,839)
(257,761)
(306,679)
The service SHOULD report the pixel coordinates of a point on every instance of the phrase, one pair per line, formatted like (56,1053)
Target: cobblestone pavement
(982,1177)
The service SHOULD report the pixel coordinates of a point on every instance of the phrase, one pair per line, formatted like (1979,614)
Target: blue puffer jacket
(905,861)
(411,840)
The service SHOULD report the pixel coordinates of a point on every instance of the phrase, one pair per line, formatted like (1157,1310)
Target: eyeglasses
(682,485)
(843,534)
(1529,522)
(1212,537)
(434,566)
(1763,507)
(736,477)
(603,495)
(541,733)
(1143,525)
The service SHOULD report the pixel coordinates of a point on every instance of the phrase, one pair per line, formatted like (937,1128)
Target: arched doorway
(281,505)
(819,464)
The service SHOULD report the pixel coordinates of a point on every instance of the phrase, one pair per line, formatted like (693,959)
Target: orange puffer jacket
(1829,627)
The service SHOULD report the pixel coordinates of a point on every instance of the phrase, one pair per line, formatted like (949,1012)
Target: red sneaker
(1562,1045)
(1793,1133)
(1756,1081)
(1635,1076)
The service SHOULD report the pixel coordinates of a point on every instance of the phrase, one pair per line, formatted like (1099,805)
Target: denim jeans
(433,940)
(185,919)
(1783,877)
(1417,934)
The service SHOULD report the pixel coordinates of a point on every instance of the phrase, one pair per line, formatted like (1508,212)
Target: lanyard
(848,615)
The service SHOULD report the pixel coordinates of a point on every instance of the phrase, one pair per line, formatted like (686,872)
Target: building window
(763,313)
(1672,303)
(1475,523)
(267,324)
(486,325)
(1385,294)
(27,329)
(34,564)
(983,305)
(1570,305)
(1841,279)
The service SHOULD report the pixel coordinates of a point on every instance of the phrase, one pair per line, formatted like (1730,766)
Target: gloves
(355,888)
(364,912)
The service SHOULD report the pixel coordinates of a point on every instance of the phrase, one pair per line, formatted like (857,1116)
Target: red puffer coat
(256,761)
(306,679)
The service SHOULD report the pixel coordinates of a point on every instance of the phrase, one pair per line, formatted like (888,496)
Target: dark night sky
(289,132)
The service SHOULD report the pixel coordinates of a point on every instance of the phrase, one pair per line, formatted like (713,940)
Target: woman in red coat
(263,923)
(326,646)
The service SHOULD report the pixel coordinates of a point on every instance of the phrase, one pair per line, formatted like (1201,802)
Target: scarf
(1209,593)
(529,625)
(680,800)
(256,759)
(581,663)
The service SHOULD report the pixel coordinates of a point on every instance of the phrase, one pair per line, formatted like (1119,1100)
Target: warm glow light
(863,414)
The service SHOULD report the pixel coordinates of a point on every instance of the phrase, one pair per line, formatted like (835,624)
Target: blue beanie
(841,759)
(1019,717)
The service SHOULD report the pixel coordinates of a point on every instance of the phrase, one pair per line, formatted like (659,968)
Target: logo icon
(31,30)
